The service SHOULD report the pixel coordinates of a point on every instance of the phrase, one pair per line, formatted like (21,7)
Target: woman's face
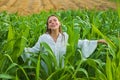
(53,23)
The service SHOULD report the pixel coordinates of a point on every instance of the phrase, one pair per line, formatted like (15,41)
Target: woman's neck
(54,34)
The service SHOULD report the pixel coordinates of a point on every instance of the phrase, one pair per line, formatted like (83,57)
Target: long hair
(60,28)
(49,30)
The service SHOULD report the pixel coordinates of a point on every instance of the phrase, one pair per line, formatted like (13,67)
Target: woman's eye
(49,22)
(55,20)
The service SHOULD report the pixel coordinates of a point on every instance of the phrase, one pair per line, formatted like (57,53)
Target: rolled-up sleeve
(87,47)
(34,49)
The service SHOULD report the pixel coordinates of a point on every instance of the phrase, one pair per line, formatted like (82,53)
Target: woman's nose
(52,22)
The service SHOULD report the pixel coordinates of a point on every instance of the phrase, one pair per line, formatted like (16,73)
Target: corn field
(18,32)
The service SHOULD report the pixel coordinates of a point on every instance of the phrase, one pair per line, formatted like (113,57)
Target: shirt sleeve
(87,47)
(66,37)
(34,49)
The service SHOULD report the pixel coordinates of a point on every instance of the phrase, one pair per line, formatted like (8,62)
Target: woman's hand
(102,41)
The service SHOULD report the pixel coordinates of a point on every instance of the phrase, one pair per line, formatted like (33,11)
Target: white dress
(59,47)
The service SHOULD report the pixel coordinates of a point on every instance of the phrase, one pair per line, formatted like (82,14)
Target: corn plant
(18,32)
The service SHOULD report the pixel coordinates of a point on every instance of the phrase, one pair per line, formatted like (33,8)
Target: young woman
(58,40)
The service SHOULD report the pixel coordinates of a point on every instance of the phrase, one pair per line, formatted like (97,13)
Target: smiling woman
(58,40)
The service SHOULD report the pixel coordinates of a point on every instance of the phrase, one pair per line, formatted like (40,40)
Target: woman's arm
(102,41)
(27,51)
(87,47)
(34,49)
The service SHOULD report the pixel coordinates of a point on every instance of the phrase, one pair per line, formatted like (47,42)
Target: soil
(25,7)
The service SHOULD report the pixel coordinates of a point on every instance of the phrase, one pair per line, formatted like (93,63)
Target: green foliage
(18,32)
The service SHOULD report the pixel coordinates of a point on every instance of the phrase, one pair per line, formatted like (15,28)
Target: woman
(57,40)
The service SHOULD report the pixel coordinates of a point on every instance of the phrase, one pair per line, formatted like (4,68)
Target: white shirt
(59,47)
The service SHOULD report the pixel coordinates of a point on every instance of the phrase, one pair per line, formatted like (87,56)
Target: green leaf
(100,75)
(109,42)
(6,76)
(38,68)
(108,68)
(10,67)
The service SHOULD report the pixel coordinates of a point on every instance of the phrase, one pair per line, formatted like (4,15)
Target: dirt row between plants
(25,7)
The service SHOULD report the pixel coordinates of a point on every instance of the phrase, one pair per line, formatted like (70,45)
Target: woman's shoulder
(65,33)
(45,35)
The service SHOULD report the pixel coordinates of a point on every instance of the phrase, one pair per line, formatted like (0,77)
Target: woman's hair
(49,30)
(60,28)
